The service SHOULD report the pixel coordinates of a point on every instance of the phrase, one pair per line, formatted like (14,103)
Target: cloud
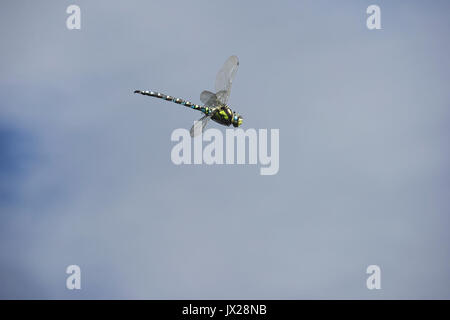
(87,177)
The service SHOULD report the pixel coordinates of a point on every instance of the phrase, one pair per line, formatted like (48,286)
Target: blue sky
(86,175)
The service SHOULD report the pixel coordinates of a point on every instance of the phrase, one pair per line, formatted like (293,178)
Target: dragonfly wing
(225,78)
(209,99)
(223,96)
(199,125)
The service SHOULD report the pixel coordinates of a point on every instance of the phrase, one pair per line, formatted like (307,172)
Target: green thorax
(223,115)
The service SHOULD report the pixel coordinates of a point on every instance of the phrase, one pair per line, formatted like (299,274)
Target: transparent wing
(209,99)
(199,125)
(223,96)
(225,77)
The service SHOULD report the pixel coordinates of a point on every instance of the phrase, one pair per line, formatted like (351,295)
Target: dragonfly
(215,105)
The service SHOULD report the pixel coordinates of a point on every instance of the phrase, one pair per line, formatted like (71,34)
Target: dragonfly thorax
(225,116)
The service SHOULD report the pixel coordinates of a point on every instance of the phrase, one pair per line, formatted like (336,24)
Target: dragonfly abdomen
(185,103)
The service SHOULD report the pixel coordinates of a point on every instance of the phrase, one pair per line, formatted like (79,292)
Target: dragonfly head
(237,120)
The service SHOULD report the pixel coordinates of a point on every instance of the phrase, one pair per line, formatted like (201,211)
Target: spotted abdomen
(185,103)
